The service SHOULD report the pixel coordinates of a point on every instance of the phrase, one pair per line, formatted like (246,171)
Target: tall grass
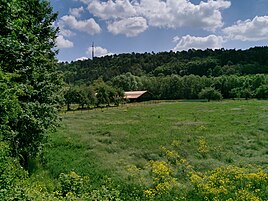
(106,142)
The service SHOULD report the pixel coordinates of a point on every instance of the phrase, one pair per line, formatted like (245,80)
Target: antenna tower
(93,51)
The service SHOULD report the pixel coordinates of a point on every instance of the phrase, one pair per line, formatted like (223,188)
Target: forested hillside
(197,62)
(210,74)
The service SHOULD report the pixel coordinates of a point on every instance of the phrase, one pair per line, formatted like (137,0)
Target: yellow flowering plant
(231,183)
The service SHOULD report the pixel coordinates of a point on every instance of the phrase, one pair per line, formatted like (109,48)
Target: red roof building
(138,96)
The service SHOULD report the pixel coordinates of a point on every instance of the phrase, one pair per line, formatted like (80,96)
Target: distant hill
(198,62)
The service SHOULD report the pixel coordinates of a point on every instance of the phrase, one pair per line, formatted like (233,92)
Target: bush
(210,94)
(11,177)
(262,91)
(72,183)
(230,183)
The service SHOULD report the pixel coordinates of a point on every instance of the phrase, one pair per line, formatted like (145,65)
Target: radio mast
(93,51)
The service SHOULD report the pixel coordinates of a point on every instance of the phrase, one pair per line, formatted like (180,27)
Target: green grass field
(106,142)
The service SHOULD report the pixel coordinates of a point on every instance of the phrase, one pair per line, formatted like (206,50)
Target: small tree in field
(103,94)
(72,96)
(210,94)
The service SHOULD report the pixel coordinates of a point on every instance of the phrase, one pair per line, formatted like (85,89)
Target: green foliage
(127,82)
(210,94)
(230,183)
(76,95)
(124,69)
(9,105)
(107,94)
(90,94)
(27,38)
(174,178)
(262,91)
(103,94)
(73,183)
(187,87)
(107,191)
(11,177)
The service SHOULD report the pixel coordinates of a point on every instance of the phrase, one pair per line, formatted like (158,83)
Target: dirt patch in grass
(122,122)
(190,123)
(236,109)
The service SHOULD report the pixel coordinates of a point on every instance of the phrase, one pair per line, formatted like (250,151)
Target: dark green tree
(103,94)
(72,96)
(91,95)
(27,42)
(262,91)
(236,92)
(127,82)
(210,94)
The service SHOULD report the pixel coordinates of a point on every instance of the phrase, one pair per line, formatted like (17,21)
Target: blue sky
(123,26)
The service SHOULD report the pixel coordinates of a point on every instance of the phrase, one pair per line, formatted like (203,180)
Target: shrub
(230,183)
(72,183)
(262,91)
(210,94)
(11,177)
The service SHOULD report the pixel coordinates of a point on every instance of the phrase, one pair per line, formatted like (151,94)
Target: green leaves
(9,104)
(30,96)
(210,94)
(11,176)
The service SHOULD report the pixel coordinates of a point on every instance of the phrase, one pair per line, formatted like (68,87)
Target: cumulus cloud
(168,13)
(130,26)
(63,43)
(84,1)
(111,9)
(193,42)
(66,32)
(63,31)
(76,11)
(98,52)
(89,26)
(249,30)
(182,13)
(81,58)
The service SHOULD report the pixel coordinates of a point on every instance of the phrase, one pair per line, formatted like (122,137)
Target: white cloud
(66,32)
(176,39)
(182,13)
(84,1)
(76,11)
(164,13)
(130,26)
(81,58)
(63,43)
(98,52)
(193,42)
(111,9)
(63,31)
(89,26)
(249,30)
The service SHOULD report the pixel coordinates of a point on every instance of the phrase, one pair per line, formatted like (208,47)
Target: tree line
(168,88)
(99,94)
(197,62)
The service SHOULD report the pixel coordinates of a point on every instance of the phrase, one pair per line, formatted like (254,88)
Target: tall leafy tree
(27,42)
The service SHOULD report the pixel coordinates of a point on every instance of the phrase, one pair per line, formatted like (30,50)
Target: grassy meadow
(106,142)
